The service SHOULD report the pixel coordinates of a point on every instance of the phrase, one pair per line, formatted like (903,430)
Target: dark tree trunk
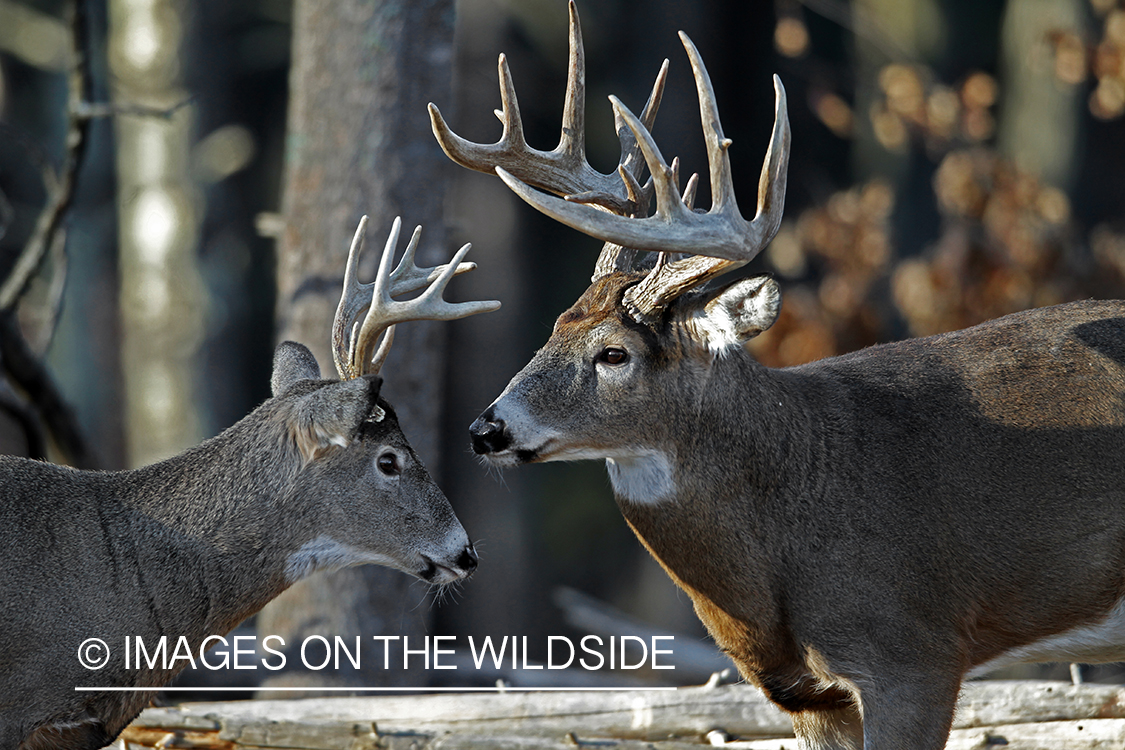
(359,142)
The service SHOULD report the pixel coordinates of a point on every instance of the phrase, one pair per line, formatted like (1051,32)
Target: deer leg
(914,713)
(836,729)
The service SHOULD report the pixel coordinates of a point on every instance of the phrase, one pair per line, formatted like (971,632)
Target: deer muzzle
(489,434)
(449,571)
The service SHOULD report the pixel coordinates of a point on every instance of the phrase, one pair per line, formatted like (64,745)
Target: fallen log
(1017,715)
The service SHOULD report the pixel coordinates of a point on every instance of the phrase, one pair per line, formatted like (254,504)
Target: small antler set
(614,208)
(354,339)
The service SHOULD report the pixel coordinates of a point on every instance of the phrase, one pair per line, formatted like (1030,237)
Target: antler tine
(408,277)
(573,137)
(631,165)
(480,156)
(689,190)
(721,233)
(614,257)
(350,306)
(650,233)
(354,341)
(718,160)
(509,114)
(658,289)
(564,170)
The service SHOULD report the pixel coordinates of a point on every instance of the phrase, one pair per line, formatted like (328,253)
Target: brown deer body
(317,478)
(858,533)
(864,529)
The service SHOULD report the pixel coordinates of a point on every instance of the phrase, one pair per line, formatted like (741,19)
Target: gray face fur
(375,500)
(319,477)
(606,387)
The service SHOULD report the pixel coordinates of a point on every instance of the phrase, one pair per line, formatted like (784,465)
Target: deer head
(587,392)
(349,438)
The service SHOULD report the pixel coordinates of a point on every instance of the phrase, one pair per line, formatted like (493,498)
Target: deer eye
(388,464)
(613,355)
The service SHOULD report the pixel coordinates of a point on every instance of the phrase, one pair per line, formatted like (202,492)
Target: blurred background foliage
(952,161)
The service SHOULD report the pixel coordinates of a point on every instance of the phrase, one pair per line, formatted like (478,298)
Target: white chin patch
(502,460)
(644,479)
(325,553)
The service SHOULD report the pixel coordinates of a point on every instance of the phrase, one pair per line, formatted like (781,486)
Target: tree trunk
(162,299)
(359,142)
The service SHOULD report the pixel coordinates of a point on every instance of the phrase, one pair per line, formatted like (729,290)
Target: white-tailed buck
(859,533)
(318,477)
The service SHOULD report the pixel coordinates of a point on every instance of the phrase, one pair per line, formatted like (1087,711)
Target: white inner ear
(737,315)
(718,329)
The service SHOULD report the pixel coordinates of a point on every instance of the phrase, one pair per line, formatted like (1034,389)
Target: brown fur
(859,532)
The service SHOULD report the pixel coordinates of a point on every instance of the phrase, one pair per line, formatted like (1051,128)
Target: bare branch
(35,154)
(94,110)
(60,195)
(28,372)
(49,235)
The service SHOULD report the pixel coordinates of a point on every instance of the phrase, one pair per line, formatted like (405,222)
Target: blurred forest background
(952,161)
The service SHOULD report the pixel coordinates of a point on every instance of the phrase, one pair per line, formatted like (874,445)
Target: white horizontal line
(372,689)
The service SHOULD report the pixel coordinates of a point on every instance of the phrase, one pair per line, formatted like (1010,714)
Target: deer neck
(713,532)
(219,507)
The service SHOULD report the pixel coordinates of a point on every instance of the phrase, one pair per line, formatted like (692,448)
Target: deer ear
(292,362)
(738,312)
(333,415)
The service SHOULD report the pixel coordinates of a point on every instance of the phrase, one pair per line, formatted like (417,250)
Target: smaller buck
(318,477)
(859,533)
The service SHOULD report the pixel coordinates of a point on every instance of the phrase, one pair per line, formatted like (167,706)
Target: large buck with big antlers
(319,477)
(860,533)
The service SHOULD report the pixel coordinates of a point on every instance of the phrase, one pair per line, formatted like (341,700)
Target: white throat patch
(325,553)
(644,479)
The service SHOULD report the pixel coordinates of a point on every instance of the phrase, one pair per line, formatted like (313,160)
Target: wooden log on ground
(1094,734)
(1017,715)
(639,715)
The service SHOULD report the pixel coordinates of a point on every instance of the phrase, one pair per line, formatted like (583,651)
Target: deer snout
(468,560)
(489,434)
(448,571)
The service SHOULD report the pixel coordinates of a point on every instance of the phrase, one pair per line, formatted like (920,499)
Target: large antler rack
(369,311)
(722,236)
(563,170)
(719,240)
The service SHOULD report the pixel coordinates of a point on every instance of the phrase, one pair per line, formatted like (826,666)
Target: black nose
(489,434)
(468,560)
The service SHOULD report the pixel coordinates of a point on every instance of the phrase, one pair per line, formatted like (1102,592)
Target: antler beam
(353,339)
(564,170)
(721,233)
(719,240)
